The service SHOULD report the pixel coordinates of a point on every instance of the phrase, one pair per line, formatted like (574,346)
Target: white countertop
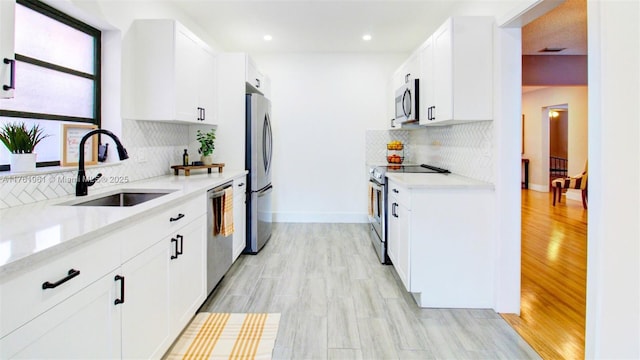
(437,181)
(31,233)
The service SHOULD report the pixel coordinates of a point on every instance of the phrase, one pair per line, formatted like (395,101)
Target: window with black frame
(57,78)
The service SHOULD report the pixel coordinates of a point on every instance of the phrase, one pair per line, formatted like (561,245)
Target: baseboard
(573,194)
(299,217)
(538,187)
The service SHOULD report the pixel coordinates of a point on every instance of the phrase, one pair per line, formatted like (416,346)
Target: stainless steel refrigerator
(259,153)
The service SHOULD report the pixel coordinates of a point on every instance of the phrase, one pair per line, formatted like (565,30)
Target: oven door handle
(375,185)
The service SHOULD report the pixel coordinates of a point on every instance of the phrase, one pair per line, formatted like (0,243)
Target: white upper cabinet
(408,71)
(7,55)
(256,80)
(457,72)
(171,74)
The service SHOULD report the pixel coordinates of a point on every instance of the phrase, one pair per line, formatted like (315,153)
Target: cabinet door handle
(181,238)
(396,191)
(394,206)
(121,300)
(70,275)
(257,83)
(174,240)
(12,77)
(180,216)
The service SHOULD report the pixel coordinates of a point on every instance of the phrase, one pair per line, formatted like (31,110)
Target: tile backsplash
(464,149)
(152,146)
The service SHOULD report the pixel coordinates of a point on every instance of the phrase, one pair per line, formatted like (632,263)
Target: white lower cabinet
(187,281)
(84,326)
(239,216)
(441,244)
(109,299)
(399,244)
(145,311)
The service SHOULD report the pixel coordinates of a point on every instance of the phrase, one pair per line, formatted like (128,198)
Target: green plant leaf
(20,140)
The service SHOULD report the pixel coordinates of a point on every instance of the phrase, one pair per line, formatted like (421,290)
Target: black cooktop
(415,169)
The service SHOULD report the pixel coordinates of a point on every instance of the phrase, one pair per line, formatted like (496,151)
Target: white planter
(23,162)
(207,160)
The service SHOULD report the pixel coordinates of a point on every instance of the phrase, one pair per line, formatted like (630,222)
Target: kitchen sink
(122,198)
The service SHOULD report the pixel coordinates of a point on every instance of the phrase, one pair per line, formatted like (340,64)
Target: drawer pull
(174,240)
(12,78)
(70,275)
(121,300)
(180,216)
(396,191)
(181,238)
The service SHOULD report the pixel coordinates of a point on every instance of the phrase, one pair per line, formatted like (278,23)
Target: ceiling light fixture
(268,37)
(366,37)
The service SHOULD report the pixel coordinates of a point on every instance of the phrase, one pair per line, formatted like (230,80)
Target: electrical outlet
(141,157)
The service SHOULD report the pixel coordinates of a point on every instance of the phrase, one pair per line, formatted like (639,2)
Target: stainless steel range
(378,198)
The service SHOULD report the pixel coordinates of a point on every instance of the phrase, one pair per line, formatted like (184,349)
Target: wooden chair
(572,182)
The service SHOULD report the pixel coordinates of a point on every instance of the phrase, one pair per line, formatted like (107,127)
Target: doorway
(553,238)
(558,123)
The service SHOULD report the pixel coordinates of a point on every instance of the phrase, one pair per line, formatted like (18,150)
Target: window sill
(55,170)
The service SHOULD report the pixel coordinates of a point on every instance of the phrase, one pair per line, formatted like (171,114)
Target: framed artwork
(71,136)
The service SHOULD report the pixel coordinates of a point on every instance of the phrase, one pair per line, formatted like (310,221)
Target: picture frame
(71,136)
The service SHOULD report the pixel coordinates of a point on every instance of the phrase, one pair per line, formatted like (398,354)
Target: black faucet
(82,184)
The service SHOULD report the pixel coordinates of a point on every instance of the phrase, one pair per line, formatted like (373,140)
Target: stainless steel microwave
(406,102)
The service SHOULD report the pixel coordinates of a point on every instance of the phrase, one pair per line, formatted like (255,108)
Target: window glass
(57,76)
(41,37)
(41,90)
(48,149)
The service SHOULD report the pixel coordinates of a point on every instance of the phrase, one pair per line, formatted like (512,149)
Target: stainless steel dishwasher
(219,248)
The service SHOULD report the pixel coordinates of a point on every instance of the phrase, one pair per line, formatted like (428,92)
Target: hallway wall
(536,132)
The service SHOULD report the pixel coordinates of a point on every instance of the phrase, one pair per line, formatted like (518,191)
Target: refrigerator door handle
(264,190)
(265,160)
(270,141)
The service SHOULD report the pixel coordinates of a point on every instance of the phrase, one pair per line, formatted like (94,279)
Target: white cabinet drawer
(154,228)
(401,194)
(23,297)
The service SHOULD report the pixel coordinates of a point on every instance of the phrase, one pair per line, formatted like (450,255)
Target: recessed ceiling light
(268,37)
(366,37)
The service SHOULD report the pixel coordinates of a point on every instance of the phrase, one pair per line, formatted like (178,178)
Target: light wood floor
(338,302)
(554,262)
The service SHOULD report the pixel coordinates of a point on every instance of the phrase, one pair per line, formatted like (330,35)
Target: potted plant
(21,142)
(206,140)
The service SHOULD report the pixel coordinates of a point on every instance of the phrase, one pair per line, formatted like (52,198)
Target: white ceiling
(563,27)
(338,26)
(318,25)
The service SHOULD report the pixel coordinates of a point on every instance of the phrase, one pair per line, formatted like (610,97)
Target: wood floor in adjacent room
(554,263)
(338,302)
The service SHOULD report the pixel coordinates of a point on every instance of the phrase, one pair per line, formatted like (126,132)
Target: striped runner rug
(227,336)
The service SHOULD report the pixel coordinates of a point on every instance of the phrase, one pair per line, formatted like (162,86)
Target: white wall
(613,263)
(537,131)
(321,106)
